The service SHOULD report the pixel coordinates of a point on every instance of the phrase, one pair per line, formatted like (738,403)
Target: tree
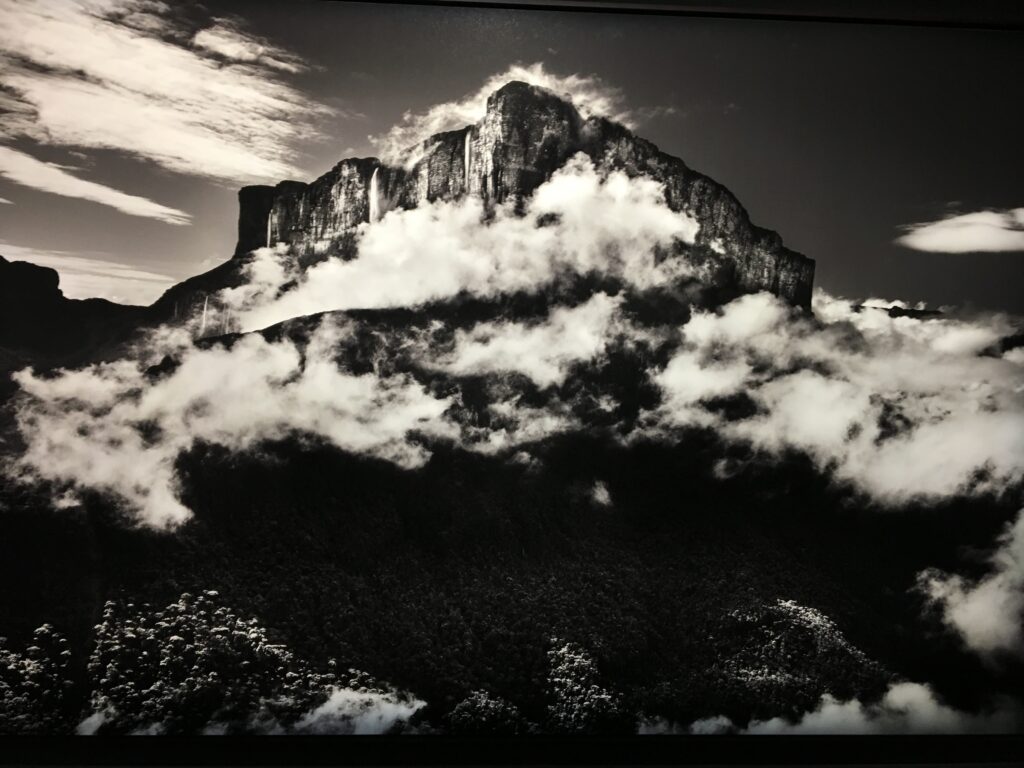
(35,686)
(580,704)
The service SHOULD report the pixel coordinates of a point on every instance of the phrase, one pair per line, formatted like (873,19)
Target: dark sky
(834,135)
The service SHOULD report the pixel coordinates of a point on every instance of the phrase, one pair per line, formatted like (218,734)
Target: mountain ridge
(526,134)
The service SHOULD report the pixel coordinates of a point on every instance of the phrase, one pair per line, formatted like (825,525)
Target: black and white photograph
(474,372)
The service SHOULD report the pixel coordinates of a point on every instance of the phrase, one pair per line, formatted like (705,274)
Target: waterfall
(270,219)
(468,156)
(374,196)
(202,325)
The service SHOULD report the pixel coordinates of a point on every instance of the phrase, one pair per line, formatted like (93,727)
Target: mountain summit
(526,135)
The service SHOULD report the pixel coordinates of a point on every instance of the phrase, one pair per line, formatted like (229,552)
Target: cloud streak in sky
(993,231)
(128,75)
(28,171)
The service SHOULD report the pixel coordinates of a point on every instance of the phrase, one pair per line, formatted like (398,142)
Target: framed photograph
(511,382)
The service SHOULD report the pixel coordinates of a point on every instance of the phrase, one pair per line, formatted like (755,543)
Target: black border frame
(948,750)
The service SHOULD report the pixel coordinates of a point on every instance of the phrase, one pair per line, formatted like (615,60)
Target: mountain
(471,495)
(39,324)
(526,135)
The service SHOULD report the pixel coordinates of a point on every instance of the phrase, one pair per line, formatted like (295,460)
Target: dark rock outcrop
(526,134)
(39,324)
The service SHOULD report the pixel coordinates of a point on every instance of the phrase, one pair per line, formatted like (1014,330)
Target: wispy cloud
(84,277)
(28,171)
(5,201)
(227,39)
(968,233)
(128,75)
(590,94)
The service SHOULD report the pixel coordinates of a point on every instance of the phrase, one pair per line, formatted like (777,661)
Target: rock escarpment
(526,134)
(38,323)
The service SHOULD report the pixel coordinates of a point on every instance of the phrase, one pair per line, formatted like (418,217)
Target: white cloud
(600,494)
(84,428)
(968,233)
(125,75)
(588,93)
(5,201)
(543,351)
(26,170)
(227,39)
(905,708)
(987,613)
(356,713)
(607,225)
(83,277)
(902,408)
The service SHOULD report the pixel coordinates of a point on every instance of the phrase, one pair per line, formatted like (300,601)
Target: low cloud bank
(906,708)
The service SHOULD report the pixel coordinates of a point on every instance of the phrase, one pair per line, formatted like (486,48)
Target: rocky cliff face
(526,134)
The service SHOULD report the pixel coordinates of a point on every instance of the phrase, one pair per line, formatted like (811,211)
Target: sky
(890,155)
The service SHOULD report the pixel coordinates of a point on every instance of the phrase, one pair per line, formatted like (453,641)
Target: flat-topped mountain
(526,135)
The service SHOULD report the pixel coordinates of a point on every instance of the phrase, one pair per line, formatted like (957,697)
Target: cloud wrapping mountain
(588,93)
(577,223)
(900,408)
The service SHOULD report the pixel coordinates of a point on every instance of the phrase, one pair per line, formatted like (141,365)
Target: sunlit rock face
(526,135)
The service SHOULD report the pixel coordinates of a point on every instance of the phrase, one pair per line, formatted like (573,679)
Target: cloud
(26,170)
(127,75)
(545,351)
(901,408)
(225,38)
(905,708)
(590,95)
(5,201)
(106,427)
(355,713)
(968,233)
(988,613)
(83,277)
(611,225)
